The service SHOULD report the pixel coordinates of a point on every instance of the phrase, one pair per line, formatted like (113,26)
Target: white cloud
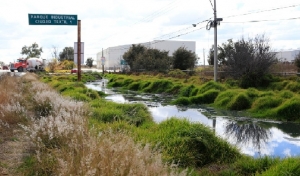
(118,22)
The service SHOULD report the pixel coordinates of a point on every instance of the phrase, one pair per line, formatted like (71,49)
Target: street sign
(123,62)
(103,60)
(52,19)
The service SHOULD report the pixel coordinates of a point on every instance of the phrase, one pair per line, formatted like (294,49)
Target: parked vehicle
(31,64)
(74,70)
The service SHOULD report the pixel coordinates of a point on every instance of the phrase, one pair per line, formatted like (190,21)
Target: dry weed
(63,145)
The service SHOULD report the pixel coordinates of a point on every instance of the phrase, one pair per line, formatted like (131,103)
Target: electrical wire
(256,21)
(278,8)
(212,5)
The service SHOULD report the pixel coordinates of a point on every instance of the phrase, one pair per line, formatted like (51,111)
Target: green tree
(184,59)
(32,51)
(133,53)
(89,62)
(67,54)
(297,61)
(66,65)
(152,60)
(222,51)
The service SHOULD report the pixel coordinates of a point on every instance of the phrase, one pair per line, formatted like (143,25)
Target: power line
(212,5)
(255,21)
(181,30)
(278,8)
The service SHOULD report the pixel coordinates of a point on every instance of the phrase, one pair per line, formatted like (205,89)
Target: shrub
(224,98)
(286,94)
(187,91)
(289,166)
(264,103)
(192,144)
(290,110)
(181,101)
(211,85)
(293,86)
(159,86)
(240,102)
(206,98)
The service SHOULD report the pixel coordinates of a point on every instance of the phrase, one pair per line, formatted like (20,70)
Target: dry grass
(57,131)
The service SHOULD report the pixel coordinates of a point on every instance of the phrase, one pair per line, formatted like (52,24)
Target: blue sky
(119,22)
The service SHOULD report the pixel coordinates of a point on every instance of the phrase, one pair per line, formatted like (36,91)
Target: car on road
(74,70)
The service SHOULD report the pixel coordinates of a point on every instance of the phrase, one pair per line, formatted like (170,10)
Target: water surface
(255,137)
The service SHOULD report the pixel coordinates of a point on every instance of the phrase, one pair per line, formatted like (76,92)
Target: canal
(254,137)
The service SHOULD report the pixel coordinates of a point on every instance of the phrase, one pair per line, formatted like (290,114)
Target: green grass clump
(224,98)
(286,94)
(159,86)
(293,86)
(290,110)
(288,166)
(252,93)
(189,144)
(254,166)
(265,103)
(182,101)
(207,98)
(211,85)
(188,91)
(108,112)
(240,102)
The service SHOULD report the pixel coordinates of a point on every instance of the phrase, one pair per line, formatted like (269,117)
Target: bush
(182,101)
(290,110)
(266,103)
(192,144)
(206,98)
(240,102)
(188,91)
(289,166)
(224,98)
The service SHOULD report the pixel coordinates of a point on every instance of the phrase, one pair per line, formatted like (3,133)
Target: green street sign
(52,19)
(123,62)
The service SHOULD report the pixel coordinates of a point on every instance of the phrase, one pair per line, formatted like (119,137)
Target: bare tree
(250,60)
(54,52)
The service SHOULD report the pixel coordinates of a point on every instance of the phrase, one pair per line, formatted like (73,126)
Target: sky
(117,22)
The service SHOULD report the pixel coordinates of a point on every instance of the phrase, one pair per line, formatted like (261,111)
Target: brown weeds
(57,128)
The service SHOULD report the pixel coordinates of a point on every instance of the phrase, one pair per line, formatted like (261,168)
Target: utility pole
(103,60)
(215,43)
(203,58)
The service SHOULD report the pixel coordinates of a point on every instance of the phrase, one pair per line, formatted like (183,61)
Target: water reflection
(248,134)
(255,137)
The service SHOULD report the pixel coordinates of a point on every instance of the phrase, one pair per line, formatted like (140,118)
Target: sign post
(59,19)
(79,51)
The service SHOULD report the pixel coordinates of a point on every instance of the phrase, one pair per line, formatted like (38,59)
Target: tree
(32,51)
(67,54)
(133,53)
(89,62)
(297,61)
(222,53)
(53,64)
(54,52)
(152,60)
(184,59)
(250,60)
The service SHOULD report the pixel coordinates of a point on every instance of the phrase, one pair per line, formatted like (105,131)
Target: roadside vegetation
(71,130)
(279,101)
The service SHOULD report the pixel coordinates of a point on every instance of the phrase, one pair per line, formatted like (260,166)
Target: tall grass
(62,143)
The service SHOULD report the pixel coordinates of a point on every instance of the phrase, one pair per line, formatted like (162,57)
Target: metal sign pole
(79,52)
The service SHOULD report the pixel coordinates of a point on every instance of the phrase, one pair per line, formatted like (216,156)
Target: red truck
(31,64)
